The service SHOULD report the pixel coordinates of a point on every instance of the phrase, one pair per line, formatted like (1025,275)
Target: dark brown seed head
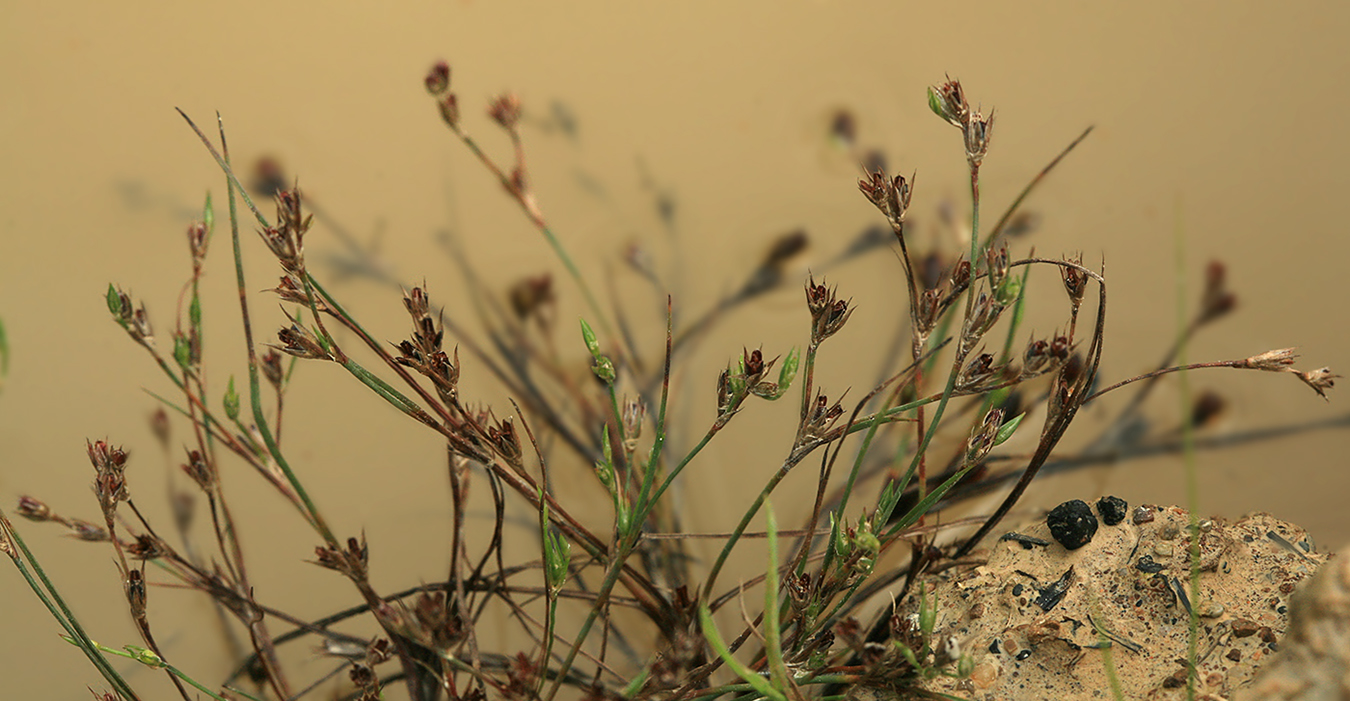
(982,437)
(200,470)
(269,177)
(828,312)
(438,78)
(159,425)
(135,586)
(997,261)
(449,106)
(821,417)
(352,561)
(148,547)
(889,195)
(1207,407)
(1217,300)
(85,530)
(33,509)
(197,241)
(504,441)
(301,343)
(505,110)
(960,276)
(754,365)
(271,367)
(531,295)
(844,127)
(1075,281)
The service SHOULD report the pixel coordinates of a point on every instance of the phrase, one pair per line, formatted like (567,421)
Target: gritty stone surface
(1035,620)
(1314,659)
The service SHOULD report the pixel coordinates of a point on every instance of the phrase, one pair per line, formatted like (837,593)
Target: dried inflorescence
(949,102)
(423,351)
(353,561)
(110,484)
(890,195)
(828,312)
(133,319)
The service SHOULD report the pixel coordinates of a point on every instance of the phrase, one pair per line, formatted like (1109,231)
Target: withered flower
(505,442)
(980,374)
(1038,359)
(929,309)
(1075,281)
(1217,300)
(290,289)
(634,412)
(200,470)
(7,542)
(820,417)
(960,276)
(33,509)
(301,343)
(352,562)
(271,368)
(505,110)
(889,195)
(449,106)
(1271,361)
(197,241)
(531,295)
(438,78)
(828,312)
(110,485)
(87,531)
(978,133)
(148,547)
(1319,380)
(982,318)
(983,436)
(997,261)
(135,590)
(948,101)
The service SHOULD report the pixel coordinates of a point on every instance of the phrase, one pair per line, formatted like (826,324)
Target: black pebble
(1072,524)
(1146,564)
(1112,510)
(1023,655)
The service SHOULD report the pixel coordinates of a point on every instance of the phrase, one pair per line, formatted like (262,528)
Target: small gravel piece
(1112,510)
(1072,524)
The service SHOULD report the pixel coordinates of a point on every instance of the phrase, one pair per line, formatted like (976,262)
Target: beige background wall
(1223,120)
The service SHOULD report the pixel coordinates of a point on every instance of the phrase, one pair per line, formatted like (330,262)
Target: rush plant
(925,437)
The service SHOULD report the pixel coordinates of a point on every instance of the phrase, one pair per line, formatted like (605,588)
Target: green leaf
(182,351)
(592,345)
(759,683)
(558,558)
(789,370)
(208,214)
(114,302)
(195,312)
(1008,428)
(231,401)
